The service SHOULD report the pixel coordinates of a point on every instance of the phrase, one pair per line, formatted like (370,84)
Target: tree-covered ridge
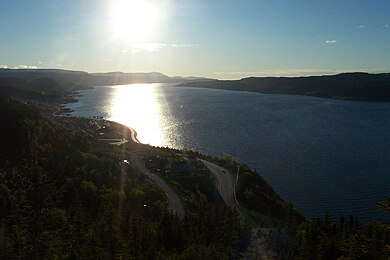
(349,86)
(82,79)
(44,89)
(65,194)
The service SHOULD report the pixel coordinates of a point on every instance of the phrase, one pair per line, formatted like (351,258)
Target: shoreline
(62,111)
(129,133)
(133,133)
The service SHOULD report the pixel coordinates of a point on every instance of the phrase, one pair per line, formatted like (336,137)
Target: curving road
(225,184)
(133,135)
(115,141)
(175,204)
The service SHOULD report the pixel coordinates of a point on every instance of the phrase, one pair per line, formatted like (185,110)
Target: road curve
(133,135)
(225,183)
(175,204)
(114,141)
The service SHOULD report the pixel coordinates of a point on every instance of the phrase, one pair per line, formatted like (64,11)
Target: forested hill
(349,86)
(82,79)
(54,85)
(66,194)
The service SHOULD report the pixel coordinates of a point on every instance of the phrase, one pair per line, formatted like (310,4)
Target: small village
(172,164)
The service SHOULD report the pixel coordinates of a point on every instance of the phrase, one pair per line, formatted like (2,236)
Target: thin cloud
(25,67)
(387,26)
(152,47)
(330,41)
(361,26)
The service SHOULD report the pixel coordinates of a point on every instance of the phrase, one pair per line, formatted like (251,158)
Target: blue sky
(214,38)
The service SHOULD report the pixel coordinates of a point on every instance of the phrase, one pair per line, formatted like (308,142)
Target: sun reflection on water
(136,105)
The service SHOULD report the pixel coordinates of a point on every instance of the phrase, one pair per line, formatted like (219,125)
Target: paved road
(133,135)
(175,204)
(225,184)
(115,141)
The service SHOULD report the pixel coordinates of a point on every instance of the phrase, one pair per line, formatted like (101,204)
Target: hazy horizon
(289,73)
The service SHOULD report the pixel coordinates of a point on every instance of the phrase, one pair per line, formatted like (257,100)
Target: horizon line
(288,73)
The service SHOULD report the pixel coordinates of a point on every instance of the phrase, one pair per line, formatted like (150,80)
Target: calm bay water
(321,154)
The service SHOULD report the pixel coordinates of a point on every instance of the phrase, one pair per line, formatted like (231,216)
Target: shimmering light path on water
(321,154)
(138,107)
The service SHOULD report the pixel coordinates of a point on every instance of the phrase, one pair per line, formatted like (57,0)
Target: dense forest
(65,194)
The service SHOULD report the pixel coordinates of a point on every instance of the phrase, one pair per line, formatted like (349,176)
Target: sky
(225,39)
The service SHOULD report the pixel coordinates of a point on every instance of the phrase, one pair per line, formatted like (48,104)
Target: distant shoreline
(346,86)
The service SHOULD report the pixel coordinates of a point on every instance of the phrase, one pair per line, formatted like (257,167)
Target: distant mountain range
(349,86)
(52,84)
(84,79)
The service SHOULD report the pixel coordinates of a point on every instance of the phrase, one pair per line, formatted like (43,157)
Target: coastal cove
(323,155)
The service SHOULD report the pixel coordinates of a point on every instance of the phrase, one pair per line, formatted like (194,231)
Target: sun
(134,19)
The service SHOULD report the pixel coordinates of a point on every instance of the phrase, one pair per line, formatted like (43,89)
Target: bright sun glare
(136,106)
(133,19)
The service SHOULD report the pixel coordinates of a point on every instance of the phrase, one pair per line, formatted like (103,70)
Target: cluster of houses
(157,164)
(99,124)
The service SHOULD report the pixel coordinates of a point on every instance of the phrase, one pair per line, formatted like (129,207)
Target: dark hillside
(79,79)
(345,86)
(350,86)
(64,194)
(18,83)
(43,85)
(43,89)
